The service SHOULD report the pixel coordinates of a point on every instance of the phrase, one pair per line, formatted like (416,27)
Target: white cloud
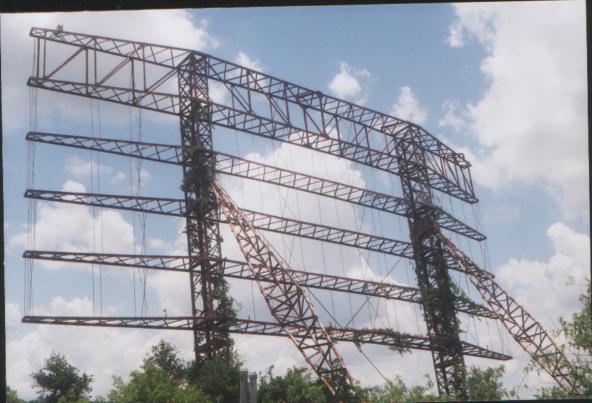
(101,352)
(408,108)
(450,109)
(244,60)
(351,82)
(531,123)
(81,168)
(119,177)
(12,315)
(167,27)
(541,286)
(76,224)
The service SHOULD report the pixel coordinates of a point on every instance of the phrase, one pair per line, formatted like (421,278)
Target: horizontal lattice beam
(261,221)
(272,101)
(243,168)
(383,337)
(239,270)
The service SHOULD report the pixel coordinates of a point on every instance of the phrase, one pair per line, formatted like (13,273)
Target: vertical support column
(208,288)
(431,271)
(253,387)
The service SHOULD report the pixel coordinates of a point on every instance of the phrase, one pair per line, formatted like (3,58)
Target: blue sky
(484,78)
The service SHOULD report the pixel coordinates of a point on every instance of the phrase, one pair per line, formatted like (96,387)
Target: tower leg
(208,287)
(432,274)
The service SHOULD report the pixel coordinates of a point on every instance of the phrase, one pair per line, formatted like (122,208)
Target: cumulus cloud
(167,27)
(350,82)
(244,60)
(451,118)
(102,352)
(408,107)
(81,168)
(531,122)
(76,224)
(542,285)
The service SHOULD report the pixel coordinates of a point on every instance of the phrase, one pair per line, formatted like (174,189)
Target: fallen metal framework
(275,109)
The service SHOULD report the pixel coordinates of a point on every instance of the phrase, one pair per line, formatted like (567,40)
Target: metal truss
(207,284)
(261,221)
(239,270)
(243,168)
(523,327)
(382,337)
(431,269)
(261,105)
(287,300)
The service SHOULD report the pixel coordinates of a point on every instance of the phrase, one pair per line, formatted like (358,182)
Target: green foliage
(488,383)
(218,378)
(164,356)
(578,332)
(58,381)
(395,390)
(297,386)
(11,396)
(152,384)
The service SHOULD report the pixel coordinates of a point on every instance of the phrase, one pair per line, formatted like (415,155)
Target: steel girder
(359,129)
(243,168)
(261,221)
(287,300)
(321,123)
(383,337)
(201,211)
(239,270)
(431,270)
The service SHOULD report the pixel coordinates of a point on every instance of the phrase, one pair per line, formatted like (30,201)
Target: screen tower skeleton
(275,109)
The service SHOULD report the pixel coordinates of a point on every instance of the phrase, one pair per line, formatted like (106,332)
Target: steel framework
(265,106)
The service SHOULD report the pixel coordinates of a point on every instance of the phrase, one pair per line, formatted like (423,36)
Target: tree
(60,381)
(297,386)
(488,383)
(165,356)
(152,384)
(395,390)
(578,333)
(11,396)
(218,378)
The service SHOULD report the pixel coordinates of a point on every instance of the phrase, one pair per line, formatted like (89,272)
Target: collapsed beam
(383,337)
(521,325)
(287,300)
(239,270)
(240,167)
(261,221)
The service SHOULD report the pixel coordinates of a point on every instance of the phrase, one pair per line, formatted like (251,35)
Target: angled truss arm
(288,304)
(251,327)
(521,325)
(240,270)
(243,168)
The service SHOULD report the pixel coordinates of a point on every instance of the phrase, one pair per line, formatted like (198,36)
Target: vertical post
(208,287)
(244,386)
(253,387)
(472,382)
(431,271)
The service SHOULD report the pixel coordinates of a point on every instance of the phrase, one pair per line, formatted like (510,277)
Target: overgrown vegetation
(577,332)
